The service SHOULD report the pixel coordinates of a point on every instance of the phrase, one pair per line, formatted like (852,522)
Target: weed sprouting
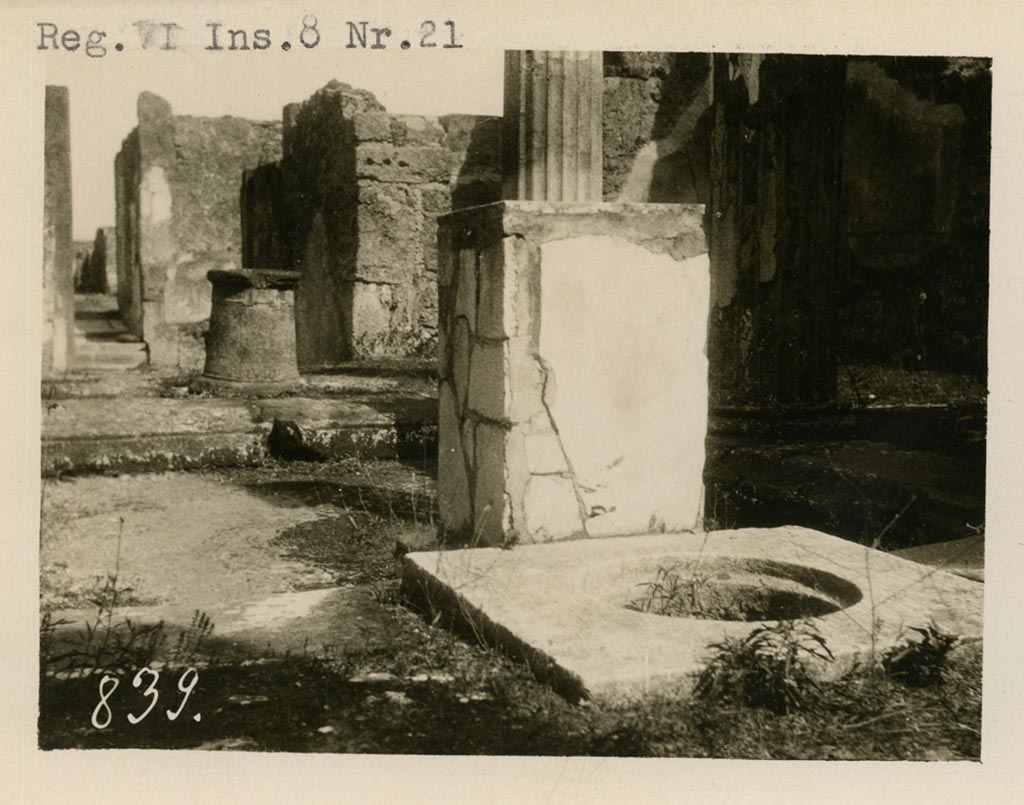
(191,640)
(767,668)
(105,643)
(920,662)
(672,593)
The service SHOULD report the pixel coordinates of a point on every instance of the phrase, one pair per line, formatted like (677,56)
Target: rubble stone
(352,206)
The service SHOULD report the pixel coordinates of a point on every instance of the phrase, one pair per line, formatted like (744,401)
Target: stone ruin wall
(127,167)
(656,134)
(352,202)
(353,205)
(916,186)
(177,185)
(58,248)
(104,251)
(914,191)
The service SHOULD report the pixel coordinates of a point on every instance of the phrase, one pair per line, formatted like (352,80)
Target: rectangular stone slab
(562,605)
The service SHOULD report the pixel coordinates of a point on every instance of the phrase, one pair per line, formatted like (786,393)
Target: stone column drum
(251,344)
(573,376)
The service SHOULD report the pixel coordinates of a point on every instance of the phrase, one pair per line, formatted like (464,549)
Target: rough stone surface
(152,434)
(568,441)
(352,206)
(562,606)
(178,181)
(58,247)
(656,126)
(452,463)
(311,429)
(252,329)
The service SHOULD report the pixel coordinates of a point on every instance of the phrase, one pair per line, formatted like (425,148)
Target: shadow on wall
(911,275)
(915,225)
(657,127)
(177,182)
(476,143)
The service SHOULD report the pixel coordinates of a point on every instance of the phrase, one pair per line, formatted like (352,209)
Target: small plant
(672,593)
(107,643)
(920,662)
(190,641)
(385,592)
(767,668)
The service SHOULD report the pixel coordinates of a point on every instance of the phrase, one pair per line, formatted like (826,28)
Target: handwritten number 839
(102,715)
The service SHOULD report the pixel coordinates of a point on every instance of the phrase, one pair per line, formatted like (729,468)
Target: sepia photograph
(405,397)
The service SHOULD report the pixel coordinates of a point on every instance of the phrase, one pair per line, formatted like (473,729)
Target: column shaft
(552,135)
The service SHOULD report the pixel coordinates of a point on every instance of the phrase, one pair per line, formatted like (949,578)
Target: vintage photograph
(595,403)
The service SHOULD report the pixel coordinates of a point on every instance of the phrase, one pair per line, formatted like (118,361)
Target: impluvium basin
(625,616)
(734,588)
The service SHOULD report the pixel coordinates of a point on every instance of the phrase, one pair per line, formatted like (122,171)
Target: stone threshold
(155,434)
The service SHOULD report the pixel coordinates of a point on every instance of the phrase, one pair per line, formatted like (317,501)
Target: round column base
(250,348)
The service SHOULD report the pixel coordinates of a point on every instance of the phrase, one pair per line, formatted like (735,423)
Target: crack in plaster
(546,371)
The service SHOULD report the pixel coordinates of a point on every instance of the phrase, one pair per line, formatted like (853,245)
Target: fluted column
(552,125)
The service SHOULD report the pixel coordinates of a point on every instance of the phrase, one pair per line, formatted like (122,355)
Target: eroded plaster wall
(573,378)
(178,180)
(915,225)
